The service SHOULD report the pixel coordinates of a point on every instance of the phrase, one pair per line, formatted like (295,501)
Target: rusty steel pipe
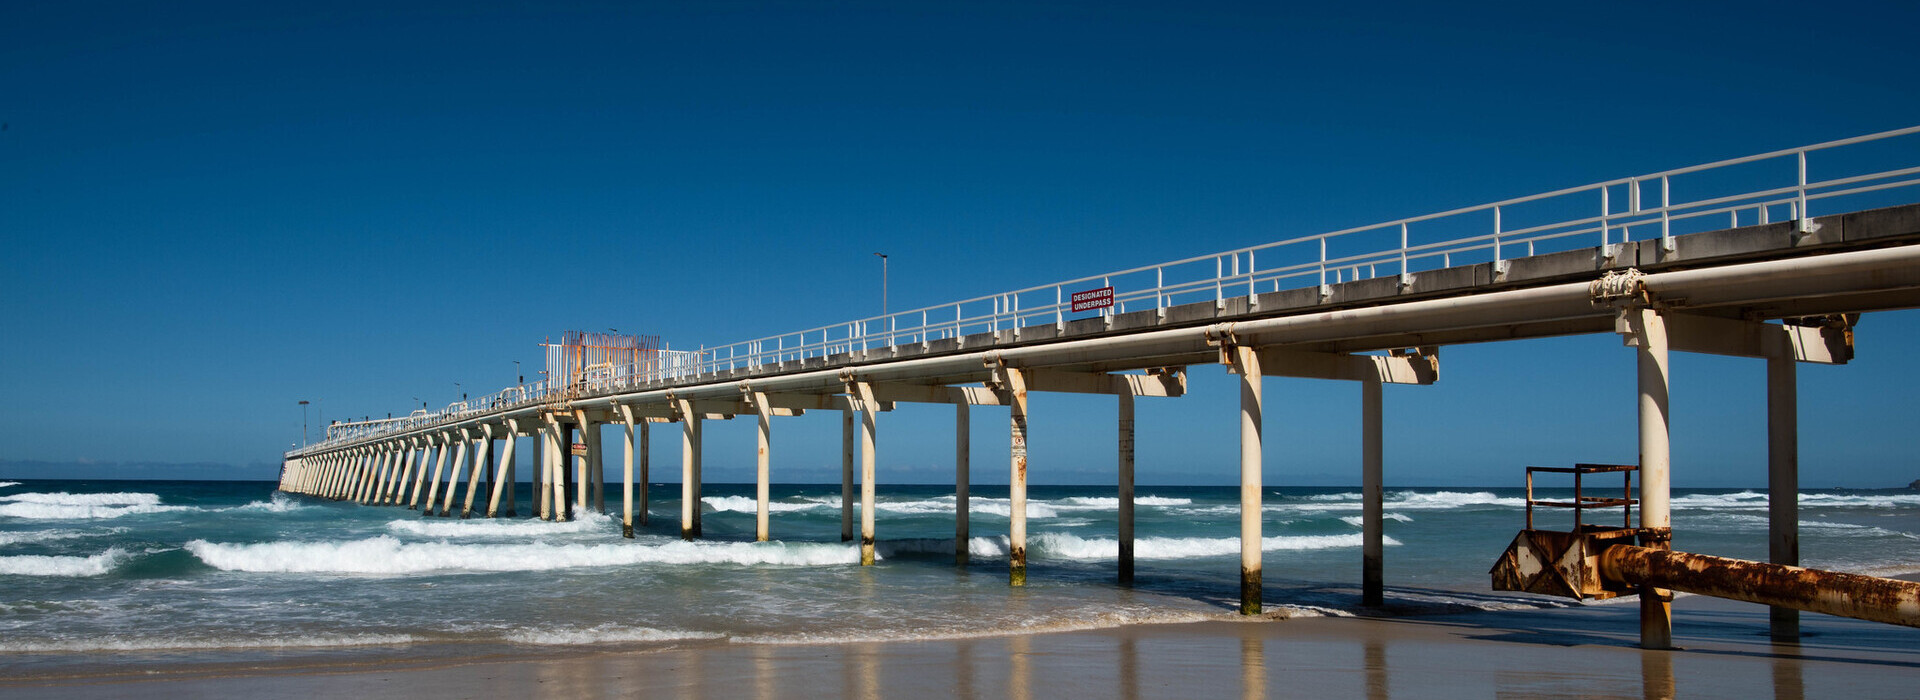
(1846,595)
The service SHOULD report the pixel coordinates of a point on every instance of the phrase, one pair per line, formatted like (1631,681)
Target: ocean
(133,574)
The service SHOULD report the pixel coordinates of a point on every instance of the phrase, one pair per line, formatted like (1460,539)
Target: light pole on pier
(521,378)
(303,424)
(883,297)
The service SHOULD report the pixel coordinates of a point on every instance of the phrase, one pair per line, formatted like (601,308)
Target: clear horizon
(214,212)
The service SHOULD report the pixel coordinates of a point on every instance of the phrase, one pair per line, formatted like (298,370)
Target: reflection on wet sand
(1253,667)
(1019,674)
(1656,675)
(1786,674)
(1376,665)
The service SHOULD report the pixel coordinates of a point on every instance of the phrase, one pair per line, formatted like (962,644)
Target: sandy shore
(1574,652)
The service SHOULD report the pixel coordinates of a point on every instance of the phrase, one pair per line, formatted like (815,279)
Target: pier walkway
(1726,258)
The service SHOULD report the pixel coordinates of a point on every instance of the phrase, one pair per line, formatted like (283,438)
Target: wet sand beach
(1587,651)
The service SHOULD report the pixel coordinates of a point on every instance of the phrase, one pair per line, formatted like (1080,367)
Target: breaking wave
(1063,546)
(120,643)
(603,633)
(36,565)
(388,555)
(497,528)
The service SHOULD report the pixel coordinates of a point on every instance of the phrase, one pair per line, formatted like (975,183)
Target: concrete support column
(1650,336)
(1373,496)
(439,467)
(512,476)
(427,451)
(482,461)
(582,468)
(405,476)
(453,479)
(762,489)
(368,467)
(626,492)
(1783,478)
(962,480)
(846,475)
(388,460)
(1247,363)
(371,476)
(392,475)
(543,473)
(646,450)
(596,463)
(1125,457)
(690,502)
(868,458)
(505,482)
(1016,388)
(562,442)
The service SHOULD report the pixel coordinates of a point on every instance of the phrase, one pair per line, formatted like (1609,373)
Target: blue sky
(214,210)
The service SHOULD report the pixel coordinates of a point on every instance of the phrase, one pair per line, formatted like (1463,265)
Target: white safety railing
(1757,189)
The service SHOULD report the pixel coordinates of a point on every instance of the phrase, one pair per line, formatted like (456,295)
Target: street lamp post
(303,424)
(883,297)
(522,379)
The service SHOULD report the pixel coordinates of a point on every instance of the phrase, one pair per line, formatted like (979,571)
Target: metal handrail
(1235,273)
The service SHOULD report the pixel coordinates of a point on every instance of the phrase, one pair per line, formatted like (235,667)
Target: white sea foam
(388,555)
(747,504)
(121,643)
(496,527)
(7,484)
(36,565)
(1754,500)
(86,499)
(1398,500)
(7,538)
(1114,502)
(1334,497)
(1004,508)
(1100,620)
(278,503)
(603,633)
(1063,546)
(1360,521)
(54,511)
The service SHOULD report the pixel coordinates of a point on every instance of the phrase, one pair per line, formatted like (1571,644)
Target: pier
(1777,269)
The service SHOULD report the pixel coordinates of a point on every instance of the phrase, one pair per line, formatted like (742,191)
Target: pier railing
(1778,186)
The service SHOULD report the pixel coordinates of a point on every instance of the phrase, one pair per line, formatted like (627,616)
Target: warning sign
(1093,299)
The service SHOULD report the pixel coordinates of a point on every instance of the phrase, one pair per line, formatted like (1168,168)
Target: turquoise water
(214,572)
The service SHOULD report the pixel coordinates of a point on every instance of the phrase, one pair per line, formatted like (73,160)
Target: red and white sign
(1093,299)
(579,449)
